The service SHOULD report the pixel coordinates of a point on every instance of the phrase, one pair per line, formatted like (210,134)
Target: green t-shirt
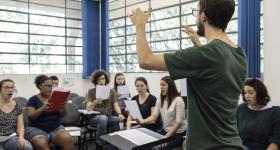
(216,73)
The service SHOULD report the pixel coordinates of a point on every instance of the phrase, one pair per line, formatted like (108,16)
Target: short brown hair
(218,12)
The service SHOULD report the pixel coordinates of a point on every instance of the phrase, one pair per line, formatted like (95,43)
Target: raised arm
(146,59)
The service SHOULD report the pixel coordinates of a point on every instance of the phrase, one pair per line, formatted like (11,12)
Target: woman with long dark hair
(171,108)
(119,80)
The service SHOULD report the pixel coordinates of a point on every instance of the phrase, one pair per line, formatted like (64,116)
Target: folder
(57,99)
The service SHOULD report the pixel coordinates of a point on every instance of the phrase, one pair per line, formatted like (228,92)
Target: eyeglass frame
(47,86)
(195,11)
(9,87)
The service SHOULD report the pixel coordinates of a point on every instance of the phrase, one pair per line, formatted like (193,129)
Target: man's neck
(212,33)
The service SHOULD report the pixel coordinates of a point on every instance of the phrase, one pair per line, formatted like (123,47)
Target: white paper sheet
(133,109)
(5,138)
(74,131)
(73,128)
(135,136)
(124,91)
(102,92)
(85,112)
(183,86)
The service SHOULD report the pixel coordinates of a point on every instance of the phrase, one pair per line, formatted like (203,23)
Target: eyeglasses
(47,86)
(195,12)
(9,87)
(101,78)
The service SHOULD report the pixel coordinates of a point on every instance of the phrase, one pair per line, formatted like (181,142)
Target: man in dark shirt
(215,72)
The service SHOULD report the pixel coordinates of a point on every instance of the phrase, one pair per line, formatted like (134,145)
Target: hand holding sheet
(124,91)
(134,110)
(102,92)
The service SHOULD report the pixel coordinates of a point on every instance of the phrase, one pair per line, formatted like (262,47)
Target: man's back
(216,73)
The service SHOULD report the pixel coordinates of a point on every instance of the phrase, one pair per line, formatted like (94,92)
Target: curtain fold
(93,57)
(249,34)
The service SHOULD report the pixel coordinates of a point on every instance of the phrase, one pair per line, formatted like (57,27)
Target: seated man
(105,119)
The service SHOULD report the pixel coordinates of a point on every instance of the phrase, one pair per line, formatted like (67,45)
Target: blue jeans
(175,141)
(12,144)
(102,122)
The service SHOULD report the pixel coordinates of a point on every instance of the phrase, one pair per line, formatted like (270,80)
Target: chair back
(21,101)
(72,96)
(25,117)
(78,101)
(72,116)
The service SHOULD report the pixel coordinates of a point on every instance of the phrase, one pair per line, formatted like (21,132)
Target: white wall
(74,82)
(271,48)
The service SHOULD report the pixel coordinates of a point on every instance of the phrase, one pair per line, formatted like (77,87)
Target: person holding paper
(146,103)
(215,71)
(119,80)
(104,106)
(171,108)
(44,125)
(11,117)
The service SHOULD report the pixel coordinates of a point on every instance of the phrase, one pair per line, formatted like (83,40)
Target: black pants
(175,141)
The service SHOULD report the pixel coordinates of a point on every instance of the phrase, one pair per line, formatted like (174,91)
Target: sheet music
(85,112)
(124,91)
(133,109)
(183,86)
(102,92)
(137,137)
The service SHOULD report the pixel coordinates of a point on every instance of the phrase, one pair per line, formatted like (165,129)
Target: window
(163,30)
(40,36)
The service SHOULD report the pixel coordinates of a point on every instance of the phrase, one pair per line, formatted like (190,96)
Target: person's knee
(67,142)
(40,143)
(64,139)
(102,120)
(28,146)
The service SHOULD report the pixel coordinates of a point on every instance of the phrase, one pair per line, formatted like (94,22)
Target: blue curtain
(92,59)
(249,34)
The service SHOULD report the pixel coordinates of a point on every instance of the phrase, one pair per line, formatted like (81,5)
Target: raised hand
(192,34)
(139,18)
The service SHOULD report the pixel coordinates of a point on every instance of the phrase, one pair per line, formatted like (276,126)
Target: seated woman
(105,119)
(119,81)
(171,107)
(146,103)
(44,125)
(11,117)
(258,121)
